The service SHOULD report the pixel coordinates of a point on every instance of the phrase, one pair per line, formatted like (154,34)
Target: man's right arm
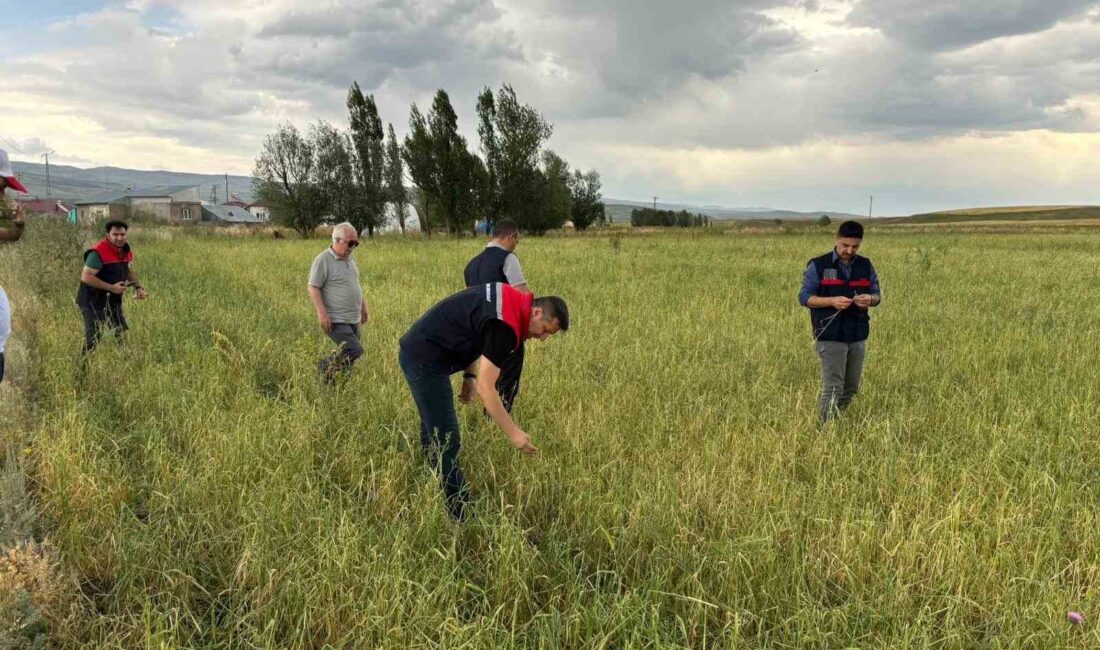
(316,283)
(319,304)
(808,297)
(513,272)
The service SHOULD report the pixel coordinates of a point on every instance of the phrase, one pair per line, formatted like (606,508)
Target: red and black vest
(852,324)
(488,266)
(116,268)
(450,335)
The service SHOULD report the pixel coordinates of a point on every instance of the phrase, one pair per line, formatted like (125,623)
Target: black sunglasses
(352,243)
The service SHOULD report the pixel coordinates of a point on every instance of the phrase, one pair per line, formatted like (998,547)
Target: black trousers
(508,382)
(98,317)
(1,366)
(439,429)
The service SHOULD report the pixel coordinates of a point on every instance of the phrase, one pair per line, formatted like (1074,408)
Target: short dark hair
(111,225)
(553,308)
(504,228)
(852,229)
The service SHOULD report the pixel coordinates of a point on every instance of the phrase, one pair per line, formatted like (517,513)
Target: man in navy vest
(498,263)
(839,288)
(107,272)
(474,332)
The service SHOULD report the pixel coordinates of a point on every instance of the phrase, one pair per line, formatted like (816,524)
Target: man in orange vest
(103,280)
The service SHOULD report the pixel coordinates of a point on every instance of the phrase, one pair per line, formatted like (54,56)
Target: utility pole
(654,204)
(227,188)
(47,157)
(870,206)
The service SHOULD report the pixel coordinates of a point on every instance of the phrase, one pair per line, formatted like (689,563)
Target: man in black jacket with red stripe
(498,263)
(103,280)
(474,332)
(839,288)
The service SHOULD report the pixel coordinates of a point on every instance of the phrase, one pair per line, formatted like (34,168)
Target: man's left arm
(873,297)
(140,292)
(514,273)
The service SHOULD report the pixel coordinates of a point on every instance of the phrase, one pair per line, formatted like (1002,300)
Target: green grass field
(205,491)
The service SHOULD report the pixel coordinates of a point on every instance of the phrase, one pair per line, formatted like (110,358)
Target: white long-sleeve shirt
(5,320)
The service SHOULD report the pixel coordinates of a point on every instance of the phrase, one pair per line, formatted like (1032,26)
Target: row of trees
(350,174)
(353,175)
(667,218)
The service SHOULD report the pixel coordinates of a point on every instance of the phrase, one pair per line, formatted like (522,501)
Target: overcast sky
(799,104)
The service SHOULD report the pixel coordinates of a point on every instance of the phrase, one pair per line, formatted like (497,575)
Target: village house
(170,204)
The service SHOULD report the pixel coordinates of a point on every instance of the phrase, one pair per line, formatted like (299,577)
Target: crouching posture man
(473,331)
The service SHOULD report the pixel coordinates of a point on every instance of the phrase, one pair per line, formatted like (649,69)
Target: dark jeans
(439,434)
(96,317)
(346,335)
(1,366)
(508,382)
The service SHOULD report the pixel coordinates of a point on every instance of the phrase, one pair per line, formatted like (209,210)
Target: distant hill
(1003,213)
(619,210)
(74,183)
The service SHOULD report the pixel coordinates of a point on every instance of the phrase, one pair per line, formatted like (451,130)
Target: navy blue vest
(853,324)
(448,337)
(488,266)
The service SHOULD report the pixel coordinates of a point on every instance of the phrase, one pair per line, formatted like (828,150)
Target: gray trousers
(841,369)
(346,335)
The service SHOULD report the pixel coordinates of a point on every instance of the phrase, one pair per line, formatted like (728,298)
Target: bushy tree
(449,175)
(557,199)
(417,154)
(286,177)
(588,207)
(336,171)
(512,135)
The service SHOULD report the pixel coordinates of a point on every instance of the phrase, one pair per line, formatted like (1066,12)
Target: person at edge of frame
(8,180)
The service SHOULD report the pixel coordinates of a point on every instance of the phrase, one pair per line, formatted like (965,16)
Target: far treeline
(667,218)
(352,175)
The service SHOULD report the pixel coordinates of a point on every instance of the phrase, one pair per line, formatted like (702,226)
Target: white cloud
(633,88)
